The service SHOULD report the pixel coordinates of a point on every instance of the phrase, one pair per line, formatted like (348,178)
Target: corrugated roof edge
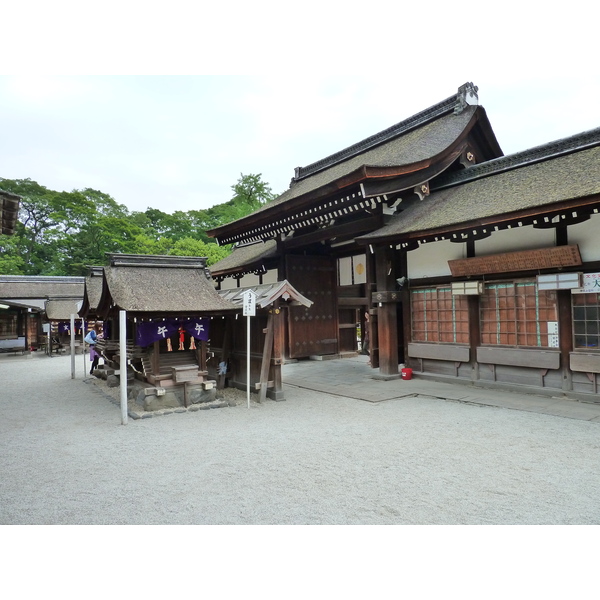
(568,145)
(454,103)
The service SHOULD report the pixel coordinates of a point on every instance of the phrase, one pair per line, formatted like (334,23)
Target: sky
(167,108)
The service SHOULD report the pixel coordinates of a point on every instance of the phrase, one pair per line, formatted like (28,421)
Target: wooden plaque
(527,260)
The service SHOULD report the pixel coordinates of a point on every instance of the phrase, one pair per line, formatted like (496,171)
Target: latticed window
(517,314)
(438,316)
(586,320)
(8,325)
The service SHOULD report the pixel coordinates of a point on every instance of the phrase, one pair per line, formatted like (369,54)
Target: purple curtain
(150,332)
(198,328)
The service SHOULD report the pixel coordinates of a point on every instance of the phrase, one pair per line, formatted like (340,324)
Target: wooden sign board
(527,260)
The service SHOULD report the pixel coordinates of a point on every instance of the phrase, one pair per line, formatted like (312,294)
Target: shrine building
(472,266)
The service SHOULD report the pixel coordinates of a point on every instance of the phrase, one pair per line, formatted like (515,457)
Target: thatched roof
(9,211)
(405,148)
(415,146)
(38,286)
(159,285)
(535,178)
(62,309)
(92,291)
(267,293)
(251,256)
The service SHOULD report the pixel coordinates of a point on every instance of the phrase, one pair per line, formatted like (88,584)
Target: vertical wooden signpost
(249,311)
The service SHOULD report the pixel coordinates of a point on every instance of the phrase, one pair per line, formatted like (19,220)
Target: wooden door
(314,330)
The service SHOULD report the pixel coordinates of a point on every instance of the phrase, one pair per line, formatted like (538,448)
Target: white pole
(123,364)
(72,346)
(83,346)
(248,361)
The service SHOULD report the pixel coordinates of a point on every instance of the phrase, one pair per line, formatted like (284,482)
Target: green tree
(62,233)
(194,247)
(249,194)
(11,261)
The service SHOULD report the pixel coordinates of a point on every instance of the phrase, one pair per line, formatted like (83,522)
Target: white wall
(586,236)
(249,280)
(229,283)
(270,276)
(431,259)
(514,240)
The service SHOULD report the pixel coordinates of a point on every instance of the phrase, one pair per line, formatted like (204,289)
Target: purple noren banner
(149,332)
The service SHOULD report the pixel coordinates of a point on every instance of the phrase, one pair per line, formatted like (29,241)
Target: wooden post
(278,349)
(156,359)
(203,351)
(266,359)
(224,352)
(565,337)
(387,322)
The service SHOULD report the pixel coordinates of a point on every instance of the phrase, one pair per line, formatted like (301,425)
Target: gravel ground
(65,458)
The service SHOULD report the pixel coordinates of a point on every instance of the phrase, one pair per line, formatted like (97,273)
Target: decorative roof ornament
(466,96)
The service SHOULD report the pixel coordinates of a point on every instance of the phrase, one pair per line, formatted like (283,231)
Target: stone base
(160,398)
(386,377)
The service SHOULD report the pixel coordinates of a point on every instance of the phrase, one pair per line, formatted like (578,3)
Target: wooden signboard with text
(527,260)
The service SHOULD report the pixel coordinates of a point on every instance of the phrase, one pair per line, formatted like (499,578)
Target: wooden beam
(353,228)
(266,359)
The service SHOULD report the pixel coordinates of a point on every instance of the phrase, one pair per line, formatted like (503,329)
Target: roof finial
(466,96)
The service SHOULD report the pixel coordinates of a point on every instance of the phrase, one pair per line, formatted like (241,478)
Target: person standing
(91,338)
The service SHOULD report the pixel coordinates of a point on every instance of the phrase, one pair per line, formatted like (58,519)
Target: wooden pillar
(155,359)
(565,336)
(224,357)
(371,286)
(474,333)
(405,308)
(387,297)
(565,320)
(265,366)
(276,392)
(202,349)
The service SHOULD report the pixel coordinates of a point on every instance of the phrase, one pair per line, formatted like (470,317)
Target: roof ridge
(156,260)
(568,145)
(41,279)
(456,103)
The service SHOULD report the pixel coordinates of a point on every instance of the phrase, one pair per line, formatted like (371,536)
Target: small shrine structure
(25,297)
(267,338)
(168,302)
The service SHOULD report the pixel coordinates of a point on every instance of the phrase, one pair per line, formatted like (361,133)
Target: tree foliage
(63,233)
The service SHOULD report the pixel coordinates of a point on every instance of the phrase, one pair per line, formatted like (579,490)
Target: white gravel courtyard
(65,458)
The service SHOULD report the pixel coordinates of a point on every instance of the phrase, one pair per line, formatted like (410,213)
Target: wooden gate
(313,331)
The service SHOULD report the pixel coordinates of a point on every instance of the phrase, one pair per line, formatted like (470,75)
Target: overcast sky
(177,141)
